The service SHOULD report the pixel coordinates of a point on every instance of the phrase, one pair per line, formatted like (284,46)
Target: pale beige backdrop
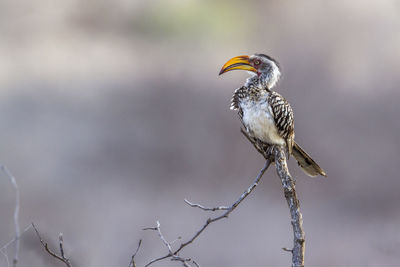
(111,113)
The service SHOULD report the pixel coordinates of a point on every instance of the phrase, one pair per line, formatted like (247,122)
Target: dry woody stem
(294,206)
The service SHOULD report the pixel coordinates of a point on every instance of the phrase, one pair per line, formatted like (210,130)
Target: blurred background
(112,112)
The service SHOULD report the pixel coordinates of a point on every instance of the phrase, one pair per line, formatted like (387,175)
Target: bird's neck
(261,83)
(265,80)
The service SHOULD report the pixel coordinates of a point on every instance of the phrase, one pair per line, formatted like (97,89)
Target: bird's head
(266,71)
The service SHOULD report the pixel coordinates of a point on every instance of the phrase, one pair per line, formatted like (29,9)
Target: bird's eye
(257,62)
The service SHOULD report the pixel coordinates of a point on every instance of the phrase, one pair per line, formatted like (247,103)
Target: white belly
(259,121)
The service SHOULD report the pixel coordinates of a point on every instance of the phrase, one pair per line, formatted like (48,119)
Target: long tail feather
(308,165)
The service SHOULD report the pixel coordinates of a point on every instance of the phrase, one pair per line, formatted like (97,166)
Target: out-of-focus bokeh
(112,112)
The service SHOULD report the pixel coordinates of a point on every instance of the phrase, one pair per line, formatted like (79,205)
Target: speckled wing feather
(240,93)
(284,118)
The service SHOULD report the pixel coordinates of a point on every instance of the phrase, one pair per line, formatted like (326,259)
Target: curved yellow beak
(237,63)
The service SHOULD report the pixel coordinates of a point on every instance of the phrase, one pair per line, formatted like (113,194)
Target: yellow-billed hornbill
(266,115)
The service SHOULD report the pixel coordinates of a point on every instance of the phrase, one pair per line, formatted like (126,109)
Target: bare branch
(16,215)
(294,206)
(174,254)
(53,254)
(277,154)
(132,263)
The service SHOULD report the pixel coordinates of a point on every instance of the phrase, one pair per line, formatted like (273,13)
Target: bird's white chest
(259,121)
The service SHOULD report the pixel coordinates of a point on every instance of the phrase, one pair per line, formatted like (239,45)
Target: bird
(267,117)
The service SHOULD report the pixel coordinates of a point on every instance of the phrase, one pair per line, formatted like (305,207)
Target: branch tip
(61,257)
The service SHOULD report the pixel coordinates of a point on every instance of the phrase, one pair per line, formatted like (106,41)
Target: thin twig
(132,263)
(53,254)
(176,240)
(4,248)
(16,214)
(194,205)
(61,241)
(289,190)
(163,238)
(210,220)
(6,257)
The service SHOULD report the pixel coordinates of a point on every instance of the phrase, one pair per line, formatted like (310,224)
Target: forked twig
(60,257)
(174,255)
